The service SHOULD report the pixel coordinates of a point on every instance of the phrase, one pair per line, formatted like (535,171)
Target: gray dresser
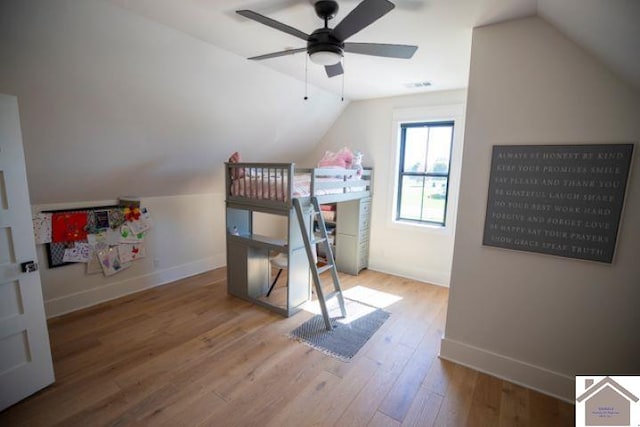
(352,235)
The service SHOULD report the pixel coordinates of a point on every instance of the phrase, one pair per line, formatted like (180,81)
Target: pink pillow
(341,159)
(236,172)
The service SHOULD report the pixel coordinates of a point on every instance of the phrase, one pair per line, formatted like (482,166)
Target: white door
(25,355)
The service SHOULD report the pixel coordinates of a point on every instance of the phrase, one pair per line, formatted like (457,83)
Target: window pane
(423,198)
(435,196)
(439,149)
(411,198)
(415,149)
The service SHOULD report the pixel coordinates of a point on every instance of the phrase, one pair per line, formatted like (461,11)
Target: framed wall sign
(563,200)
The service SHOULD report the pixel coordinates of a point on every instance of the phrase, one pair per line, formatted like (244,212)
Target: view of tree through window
(423,184)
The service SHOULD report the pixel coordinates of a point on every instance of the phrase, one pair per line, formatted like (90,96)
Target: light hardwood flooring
(188,354)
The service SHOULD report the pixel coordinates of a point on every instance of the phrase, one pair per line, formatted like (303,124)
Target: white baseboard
(545,381)
(432,277)
(68,303)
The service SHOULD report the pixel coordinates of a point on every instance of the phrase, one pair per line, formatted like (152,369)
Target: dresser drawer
(352,235)
(363,255)
(364,246)
(364,234)
(364,222)
(365,208)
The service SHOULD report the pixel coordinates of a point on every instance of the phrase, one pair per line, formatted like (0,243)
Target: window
(424,165)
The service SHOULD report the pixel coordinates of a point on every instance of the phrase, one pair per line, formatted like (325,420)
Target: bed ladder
(331,264)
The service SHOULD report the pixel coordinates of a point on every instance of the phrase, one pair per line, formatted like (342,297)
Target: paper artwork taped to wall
(91,227)
(131,252)
(102,219)
(99,242)
(42,228)
(68,226)
(98,239)
(116,218)
(110,262)
(113,237)
(142,223)
(127,235)
(80,252)
(93,265)
(97,221)
(55,253)
(104,238)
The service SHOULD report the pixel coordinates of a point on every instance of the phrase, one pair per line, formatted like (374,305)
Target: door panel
(25,354)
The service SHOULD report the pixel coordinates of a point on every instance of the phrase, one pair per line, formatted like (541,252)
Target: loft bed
(271,188)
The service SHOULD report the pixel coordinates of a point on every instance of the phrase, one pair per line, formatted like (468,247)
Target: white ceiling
(440,28)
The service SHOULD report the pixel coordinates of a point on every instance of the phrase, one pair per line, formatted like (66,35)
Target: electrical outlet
(156,263)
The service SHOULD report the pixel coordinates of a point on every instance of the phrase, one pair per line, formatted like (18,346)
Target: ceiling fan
(326,46)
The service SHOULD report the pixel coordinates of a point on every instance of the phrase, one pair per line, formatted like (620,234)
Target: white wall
(371,126)
(531,318)
(113,103)
(188,238)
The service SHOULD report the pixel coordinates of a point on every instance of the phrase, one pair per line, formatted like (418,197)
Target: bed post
(290,174)
(227,181)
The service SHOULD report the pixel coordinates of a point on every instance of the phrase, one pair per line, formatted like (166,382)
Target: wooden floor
(189,354)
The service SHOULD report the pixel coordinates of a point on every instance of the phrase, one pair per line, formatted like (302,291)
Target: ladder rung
(331,295)
(325,268)
(308,241)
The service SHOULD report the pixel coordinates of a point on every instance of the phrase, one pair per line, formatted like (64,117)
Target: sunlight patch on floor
(371,299)
(370,296)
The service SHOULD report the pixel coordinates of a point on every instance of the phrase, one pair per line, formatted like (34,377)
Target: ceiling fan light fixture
(326,46)
(325,57)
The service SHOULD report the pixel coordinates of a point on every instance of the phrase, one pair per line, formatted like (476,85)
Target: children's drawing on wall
(79,252)
(128,236)
(97,221)
(68,226)
(110,262)
(93,265)
(107,239)
(131,252)
(140,220)
(42,228)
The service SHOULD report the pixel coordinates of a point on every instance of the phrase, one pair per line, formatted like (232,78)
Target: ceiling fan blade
(367,12)
(379,49)
(276,54)
(273,23)
(334,70)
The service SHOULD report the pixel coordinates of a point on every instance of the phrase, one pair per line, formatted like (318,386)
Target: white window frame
(453,112)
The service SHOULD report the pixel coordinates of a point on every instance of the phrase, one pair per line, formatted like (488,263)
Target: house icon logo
(606,402)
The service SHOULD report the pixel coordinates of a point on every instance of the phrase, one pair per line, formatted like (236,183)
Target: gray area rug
(348,334)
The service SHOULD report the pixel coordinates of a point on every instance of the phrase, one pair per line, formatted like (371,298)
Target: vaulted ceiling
(149,97)
(440,28)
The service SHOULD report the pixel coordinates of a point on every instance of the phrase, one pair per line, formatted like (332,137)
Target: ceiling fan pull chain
(343,62)
(306,76)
